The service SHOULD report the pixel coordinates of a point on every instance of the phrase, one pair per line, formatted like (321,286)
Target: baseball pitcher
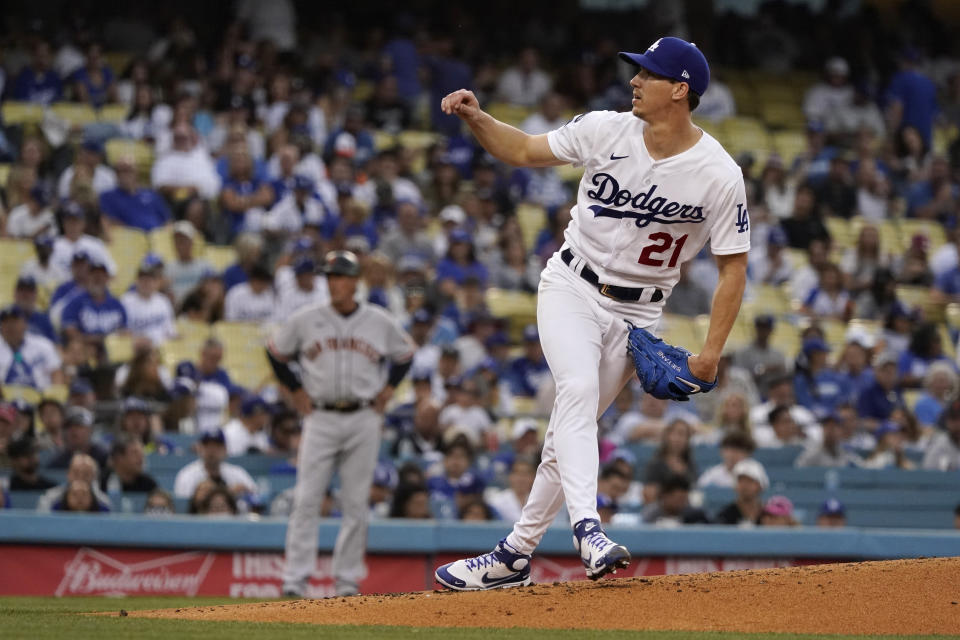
(655,189)
(352,356)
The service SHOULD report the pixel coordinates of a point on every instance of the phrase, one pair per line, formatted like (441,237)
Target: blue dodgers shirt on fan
(638,219)
(94,318)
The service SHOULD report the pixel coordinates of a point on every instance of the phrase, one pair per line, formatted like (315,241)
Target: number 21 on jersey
(661,244)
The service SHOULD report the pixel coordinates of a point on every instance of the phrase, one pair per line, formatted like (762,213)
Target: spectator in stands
(717,102)
(307,288)
(460,263)
(524,84)
(943,452)
(804,224)
(407,237)
(778,512)
(509,502)
(125,473)
(149,312)
(353,139)
(467,415)
(912,267)
(425,440)
(836,193)
(88,162)
(934,196)
(211,466)
(834,93)
(747,508)
(772,265)
(455,483)
(805,278)
(735,446)
(832,514)
(781,394)
(911,98)
(300,206)
(732,415)
(646,423)
(817,386)
(44,272)
(829,299)
(889,452)
(411,501)
(672,507)
(940,387)
(926,348)
(248,433)
(186,271)
(186,169)
(79,497)
(244,194)
(74,240)
(159,503)
(475,509)
(78,438)
(874,193)
(26,358)
(95,314)
(93,82)
(832,452)
(783,430)
(251,301)
(25,299)
(674,456)
(861,263)
(613,484)
(33,217)
(132,205)
(513,269)
(24,476)
(218,502)
(38,82)
(548,117)
(861,113)
(139,419)
(528,372)
(763,360)
(385,110)
(145,376)
(82,468)
(880,298)
(471,346)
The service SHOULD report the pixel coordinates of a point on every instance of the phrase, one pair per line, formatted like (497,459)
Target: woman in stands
(673,457)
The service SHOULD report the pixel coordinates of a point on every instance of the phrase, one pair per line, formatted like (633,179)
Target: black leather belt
(345,406)
(624,294)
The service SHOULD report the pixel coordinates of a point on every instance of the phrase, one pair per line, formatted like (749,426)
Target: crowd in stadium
(284,142)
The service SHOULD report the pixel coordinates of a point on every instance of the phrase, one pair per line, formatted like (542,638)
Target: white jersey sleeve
(730,231)
(575,141)
(400,346)
(286,340)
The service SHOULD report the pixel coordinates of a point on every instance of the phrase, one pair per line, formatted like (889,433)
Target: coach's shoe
(503,567)
(600,554)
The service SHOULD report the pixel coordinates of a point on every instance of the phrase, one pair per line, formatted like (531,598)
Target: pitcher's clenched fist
(461,103)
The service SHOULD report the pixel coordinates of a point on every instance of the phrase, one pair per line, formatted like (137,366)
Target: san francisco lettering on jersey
(646,207)
(352,344)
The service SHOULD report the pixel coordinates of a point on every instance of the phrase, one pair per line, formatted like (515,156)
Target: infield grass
(55,618)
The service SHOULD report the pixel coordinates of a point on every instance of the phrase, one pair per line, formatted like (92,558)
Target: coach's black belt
(624,294)
(345,406)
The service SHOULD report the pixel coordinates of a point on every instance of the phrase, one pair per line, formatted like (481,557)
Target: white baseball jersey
(343,358)
(31,365)
(240,440)
(212,400)
(241,304)
(187,479)
(638,219)
(292,298)
(21,224)
(152,317)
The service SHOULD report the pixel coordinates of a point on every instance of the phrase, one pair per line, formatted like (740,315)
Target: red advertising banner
(70,571)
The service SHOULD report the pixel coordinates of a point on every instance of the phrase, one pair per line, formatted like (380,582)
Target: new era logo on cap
(685,74)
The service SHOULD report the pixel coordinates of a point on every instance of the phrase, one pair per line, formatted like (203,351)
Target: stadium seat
(532,218)
(16,391)
(119,347)
(13,254)
(219,257)
(383,140)
(680,330)
(22,113)
(58,392)
(933,231)
(140,151)
(417,140)
(782,115)
(118,61)
(509,113)
(115,113)
(789,144)
(77,114)
(127,246)
(519,307)
(745,97)
(917,297)
(4,173)
(842,232)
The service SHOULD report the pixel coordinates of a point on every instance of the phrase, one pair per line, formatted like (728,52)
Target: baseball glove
(662,368)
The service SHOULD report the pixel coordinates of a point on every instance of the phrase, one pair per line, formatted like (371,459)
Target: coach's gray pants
(349,443)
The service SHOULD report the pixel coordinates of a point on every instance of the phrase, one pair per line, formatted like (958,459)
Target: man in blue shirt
(132,205)
(94,314)
(878,401)
(816,386)
(25,297)
(38,82)
(912,98)
(529,371)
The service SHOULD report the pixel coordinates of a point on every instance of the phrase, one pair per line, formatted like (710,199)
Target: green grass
(54,618)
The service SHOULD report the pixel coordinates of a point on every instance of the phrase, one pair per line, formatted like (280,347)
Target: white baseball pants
(584,339)
(348,443)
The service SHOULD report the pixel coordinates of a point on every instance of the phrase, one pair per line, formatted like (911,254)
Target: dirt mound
(893,597)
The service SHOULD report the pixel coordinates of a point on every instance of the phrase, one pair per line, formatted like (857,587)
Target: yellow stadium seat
(383,140)
(13,253)
(20,392)
(953,315)
(119,347)
(160,241)
(118,60)
(524,406)
(679,330)
(116,113)
(76,114)
(518,307)
(745,97)
(363,91)
(933,231)
(417,140)
(58,392)
(783,115)
(509,113)
(531,218)
(916,297)
(4,173)
(943,137)
(569,173)
(127,246)
(773,300)
(910,397)
(141,152)
(22,113)
(219,257)
(841,232)
(789,144)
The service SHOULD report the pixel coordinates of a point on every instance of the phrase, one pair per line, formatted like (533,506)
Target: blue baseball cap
(676,59)
(71,209)
(498,339)
(38,193)
(832,507)
(303,243)
(530,333)
(187,369)
(44,240)
(460,235)
(605,502)
(815,344)
(384,475)
(304,264)
(422,316)
(214,435)
(80,386)
(887,426)
(134,404)
(12,311)
(253,403)
(184,387)
(150,262)
(777,237)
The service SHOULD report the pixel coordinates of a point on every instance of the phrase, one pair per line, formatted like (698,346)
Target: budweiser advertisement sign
(103,571)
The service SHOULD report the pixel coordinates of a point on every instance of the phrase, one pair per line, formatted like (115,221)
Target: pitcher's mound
(893,597)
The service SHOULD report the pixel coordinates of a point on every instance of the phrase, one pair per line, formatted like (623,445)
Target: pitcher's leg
(543,503)
(315,463)
(357,463)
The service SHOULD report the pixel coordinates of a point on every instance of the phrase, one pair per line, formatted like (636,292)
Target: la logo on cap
(654,46)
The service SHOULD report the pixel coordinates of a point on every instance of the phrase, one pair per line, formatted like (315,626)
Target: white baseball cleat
(600,554)
(503,567)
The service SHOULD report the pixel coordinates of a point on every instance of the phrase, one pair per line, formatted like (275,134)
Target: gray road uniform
(344,365)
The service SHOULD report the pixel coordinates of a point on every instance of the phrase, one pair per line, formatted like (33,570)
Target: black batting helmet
(341,263)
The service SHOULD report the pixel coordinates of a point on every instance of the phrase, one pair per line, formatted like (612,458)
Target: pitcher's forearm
(504,142)
(724,310)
